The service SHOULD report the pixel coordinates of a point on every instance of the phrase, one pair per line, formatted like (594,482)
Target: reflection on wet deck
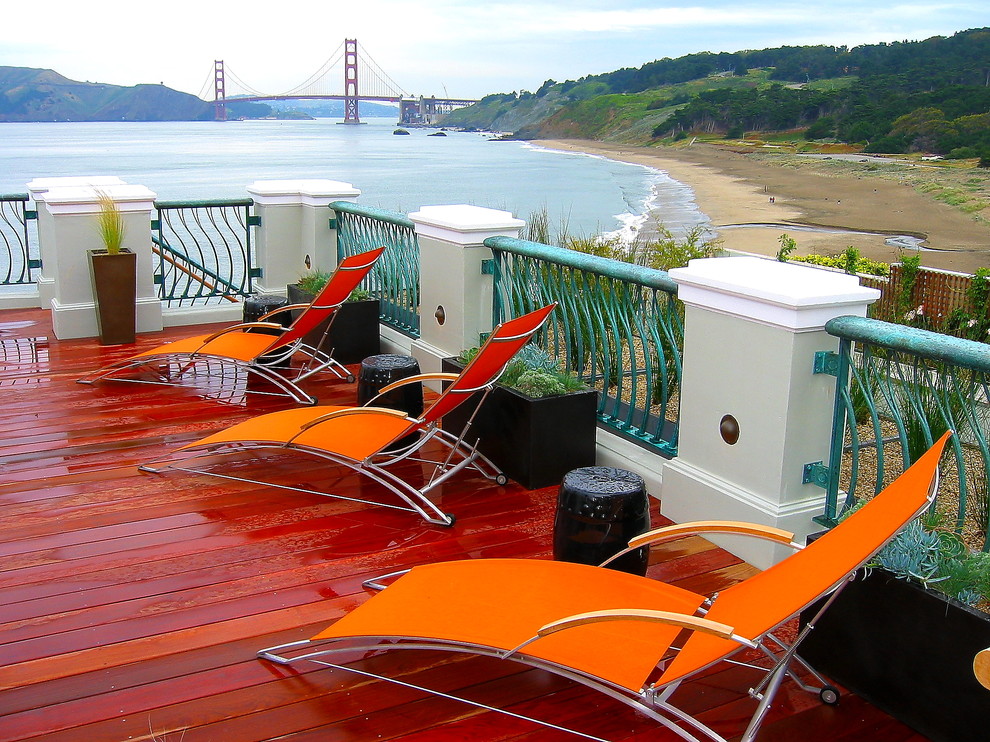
(133,604)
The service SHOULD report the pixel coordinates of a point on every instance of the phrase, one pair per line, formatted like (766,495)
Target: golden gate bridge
(361,78)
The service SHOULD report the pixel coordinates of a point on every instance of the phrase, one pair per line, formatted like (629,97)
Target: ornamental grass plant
(110,223)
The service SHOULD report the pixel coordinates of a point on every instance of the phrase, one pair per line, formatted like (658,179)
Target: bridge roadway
(420,110)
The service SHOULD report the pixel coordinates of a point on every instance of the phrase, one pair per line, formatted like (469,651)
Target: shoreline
(751,202)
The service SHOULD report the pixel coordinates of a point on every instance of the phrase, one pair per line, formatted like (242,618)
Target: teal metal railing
(204,251)
(19,257)
(898,389)
(395,278)
(618,326)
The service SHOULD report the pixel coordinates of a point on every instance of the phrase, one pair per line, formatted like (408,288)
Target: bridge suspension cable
(309,87)
(242,87)
(206,92)
(385,83)
(372,81)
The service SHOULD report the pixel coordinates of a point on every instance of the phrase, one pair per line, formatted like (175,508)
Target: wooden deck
(132,604)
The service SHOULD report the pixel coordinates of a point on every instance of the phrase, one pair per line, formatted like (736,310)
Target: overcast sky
(465,47)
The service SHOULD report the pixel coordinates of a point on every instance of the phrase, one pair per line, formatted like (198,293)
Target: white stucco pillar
(37,189)
(752,328)
(73,213)
(455,295)
(295,227)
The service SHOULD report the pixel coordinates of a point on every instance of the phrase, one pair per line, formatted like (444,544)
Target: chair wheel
(450,520)
(501,480)
(829,695)
(350,379)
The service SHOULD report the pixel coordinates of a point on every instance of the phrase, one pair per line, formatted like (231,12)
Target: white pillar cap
(86,199)
(39,186)
(788,295)
(311,192)
(464,224)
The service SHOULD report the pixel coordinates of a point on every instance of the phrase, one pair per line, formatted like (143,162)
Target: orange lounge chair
(370,439)
(255,352)
(618,632)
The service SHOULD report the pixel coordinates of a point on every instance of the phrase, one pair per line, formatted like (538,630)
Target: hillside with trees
(929,96)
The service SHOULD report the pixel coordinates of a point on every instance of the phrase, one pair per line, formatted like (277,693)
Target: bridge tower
(219,92)
(351,115)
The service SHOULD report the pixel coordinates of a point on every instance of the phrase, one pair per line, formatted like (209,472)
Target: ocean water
(584,194)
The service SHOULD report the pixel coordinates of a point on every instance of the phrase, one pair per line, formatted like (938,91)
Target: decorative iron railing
(618,326)
(19,257)
(898,389)
(395,278)
(203,250)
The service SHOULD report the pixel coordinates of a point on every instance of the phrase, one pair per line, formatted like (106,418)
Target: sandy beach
(735,190)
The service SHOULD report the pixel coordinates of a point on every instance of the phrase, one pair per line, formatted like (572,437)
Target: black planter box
(908,651)
(355,334)
(533,441)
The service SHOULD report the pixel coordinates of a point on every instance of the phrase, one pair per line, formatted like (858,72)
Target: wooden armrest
(417,379)
(245,326)
(981,667)
(729,527)
(680,620)
(352,411)
(286,308)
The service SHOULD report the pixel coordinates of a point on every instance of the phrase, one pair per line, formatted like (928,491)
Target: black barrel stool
(257,306)
(599,509)
(381,370)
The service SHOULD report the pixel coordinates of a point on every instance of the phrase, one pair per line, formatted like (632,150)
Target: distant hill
(930,96)
(29,94)
(335,108)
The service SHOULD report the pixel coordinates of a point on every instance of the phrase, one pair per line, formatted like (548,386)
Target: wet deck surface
(132,604)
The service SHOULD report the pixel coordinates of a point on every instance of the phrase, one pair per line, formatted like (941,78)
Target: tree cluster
(929,96)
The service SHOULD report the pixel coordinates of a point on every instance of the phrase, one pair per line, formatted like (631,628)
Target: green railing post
(841,370)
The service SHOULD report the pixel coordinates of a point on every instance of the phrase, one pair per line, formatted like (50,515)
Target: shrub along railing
(204,251)
(18,252)
(395,278)
(898,389)
(618,326)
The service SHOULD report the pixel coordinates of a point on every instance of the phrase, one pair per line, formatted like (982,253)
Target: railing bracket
(30,214)
(827,362)
(253,220)
(333,224)
(816,473)
(488,267)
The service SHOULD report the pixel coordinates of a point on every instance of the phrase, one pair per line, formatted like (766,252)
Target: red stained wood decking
(132,604)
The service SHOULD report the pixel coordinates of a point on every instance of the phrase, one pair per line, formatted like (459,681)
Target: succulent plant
(534,372)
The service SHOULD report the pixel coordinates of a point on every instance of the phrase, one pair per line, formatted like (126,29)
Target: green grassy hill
(28,94)
(913,96)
